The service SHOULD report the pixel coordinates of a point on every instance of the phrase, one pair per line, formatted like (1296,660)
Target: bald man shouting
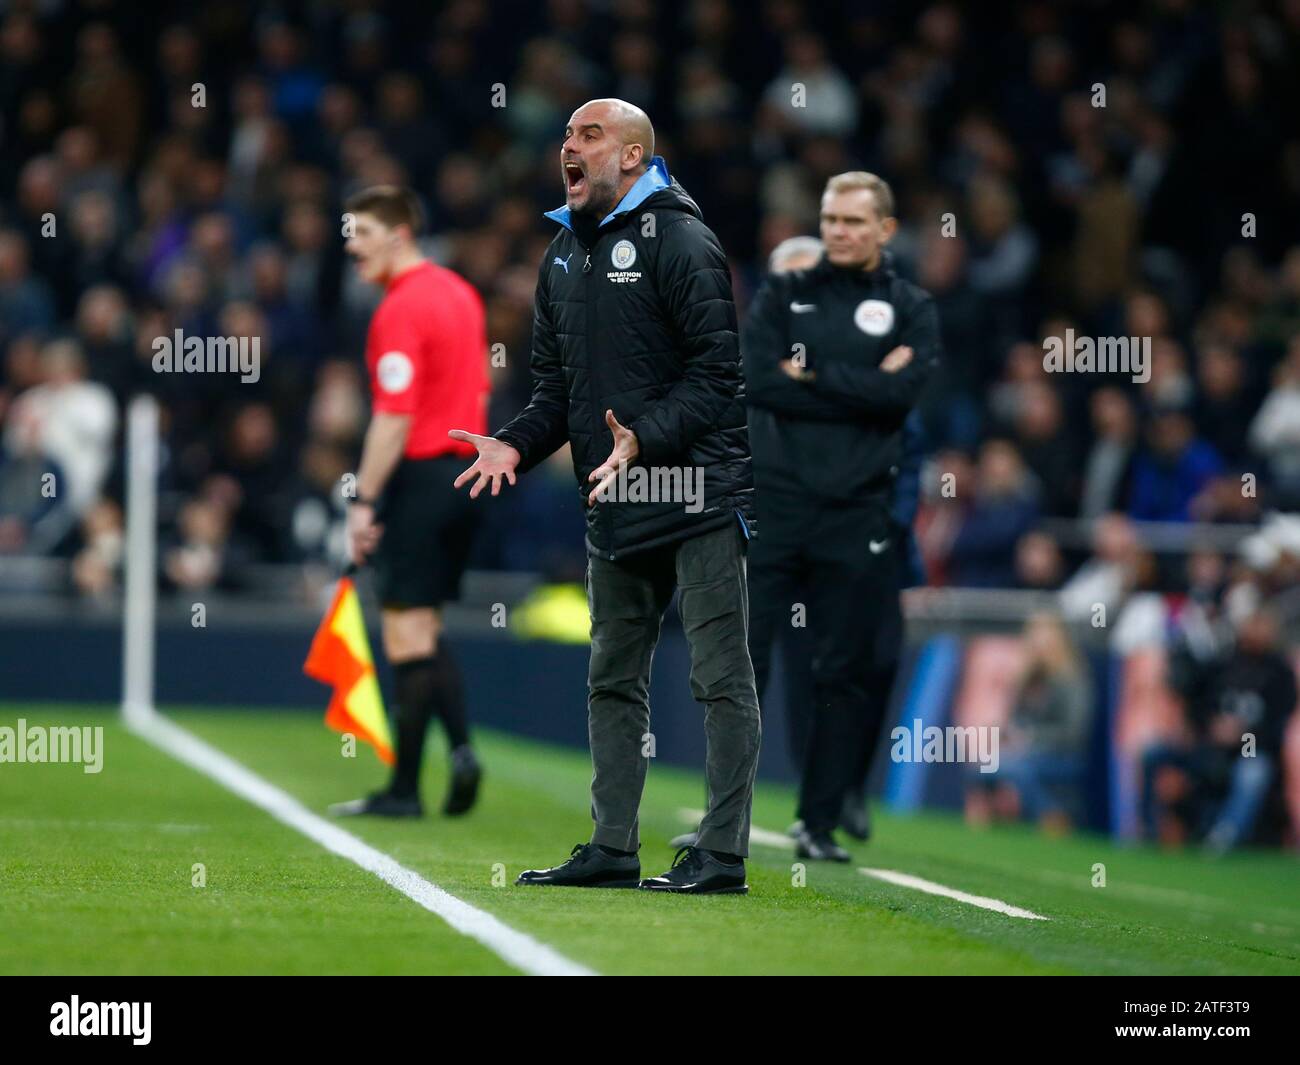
(636,365)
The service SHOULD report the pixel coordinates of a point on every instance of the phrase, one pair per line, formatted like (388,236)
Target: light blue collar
(656,177)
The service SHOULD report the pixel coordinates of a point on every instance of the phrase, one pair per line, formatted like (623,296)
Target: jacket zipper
(597,414)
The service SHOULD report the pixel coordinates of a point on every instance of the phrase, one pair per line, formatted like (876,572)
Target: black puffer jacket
(641,322)
(839,434)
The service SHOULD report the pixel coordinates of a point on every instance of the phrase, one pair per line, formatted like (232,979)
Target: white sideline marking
(762,836)
(517,948)
(768,838)
(931,888)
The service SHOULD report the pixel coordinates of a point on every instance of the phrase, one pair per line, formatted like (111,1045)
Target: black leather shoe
(854,818)
(697,872)
(819,847)
(462,791)
(380,804)
(588,866)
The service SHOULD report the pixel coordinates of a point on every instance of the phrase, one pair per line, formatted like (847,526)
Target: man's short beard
(600,199)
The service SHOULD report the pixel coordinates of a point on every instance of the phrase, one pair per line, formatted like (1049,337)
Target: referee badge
(623,255)
(874,317)
(394,371)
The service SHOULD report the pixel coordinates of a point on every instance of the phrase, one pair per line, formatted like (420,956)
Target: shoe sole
(739,889)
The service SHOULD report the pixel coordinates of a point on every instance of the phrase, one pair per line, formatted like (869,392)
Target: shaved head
(607,145)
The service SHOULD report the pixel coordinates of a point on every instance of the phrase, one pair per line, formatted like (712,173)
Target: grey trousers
(627,600)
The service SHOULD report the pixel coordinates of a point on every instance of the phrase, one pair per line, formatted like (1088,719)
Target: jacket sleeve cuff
(652,448)
(507,437)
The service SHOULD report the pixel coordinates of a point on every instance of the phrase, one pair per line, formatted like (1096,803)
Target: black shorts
(428,530)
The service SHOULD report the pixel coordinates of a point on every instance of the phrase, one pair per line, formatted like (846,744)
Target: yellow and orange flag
(340,656)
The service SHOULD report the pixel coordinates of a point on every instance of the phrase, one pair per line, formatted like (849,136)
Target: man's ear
(888,226)
(633,154)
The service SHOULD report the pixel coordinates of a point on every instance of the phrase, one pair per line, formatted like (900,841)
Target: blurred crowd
(1117,169)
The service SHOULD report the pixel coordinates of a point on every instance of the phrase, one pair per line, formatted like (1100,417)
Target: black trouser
(627,599)
(796,646)
(832,567)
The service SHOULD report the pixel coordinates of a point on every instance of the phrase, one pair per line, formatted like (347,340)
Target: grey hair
(789,248)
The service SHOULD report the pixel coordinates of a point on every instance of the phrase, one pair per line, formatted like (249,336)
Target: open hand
(626,448)
(496,459)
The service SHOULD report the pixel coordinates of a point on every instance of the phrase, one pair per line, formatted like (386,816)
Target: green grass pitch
(96,876)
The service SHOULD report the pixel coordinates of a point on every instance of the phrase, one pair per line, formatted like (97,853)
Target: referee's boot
(819,847)
(380,804)
(854,818)
(696,871)
(462,790)
(588,866)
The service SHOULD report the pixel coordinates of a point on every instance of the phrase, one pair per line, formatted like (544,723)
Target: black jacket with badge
(641,321)
(838,435)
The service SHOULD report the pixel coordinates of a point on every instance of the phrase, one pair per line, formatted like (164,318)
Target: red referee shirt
(426,353)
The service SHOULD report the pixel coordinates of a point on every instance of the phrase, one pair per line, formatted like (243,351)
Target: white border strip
(766,837)
(514,947)
(931,888)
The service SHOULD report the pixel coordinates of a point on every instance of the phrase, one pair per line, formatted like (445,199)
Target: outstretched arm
(496,460)
(542,427)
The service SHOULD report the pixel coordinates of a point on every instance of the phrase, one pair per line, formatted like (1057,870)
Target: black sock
(614,852)
(725,858)
(416,688)
(450,697)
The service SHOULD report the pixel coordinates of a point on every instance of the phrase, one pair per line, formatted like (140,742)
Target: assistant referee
(426,354)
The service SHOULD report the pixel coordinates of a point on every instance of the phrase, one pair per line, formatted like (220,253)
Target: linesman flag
(340,656)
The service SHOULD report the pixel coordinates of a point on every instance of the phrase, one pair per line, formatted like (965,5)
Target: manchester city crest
(623,255)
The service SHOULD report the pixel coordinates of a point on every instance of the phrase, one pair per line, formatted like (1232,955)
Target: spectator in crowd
(26,303)
(1211,782)
(1224,403)
(198,559)
(70,421)
(1004,507)
(34,517)
(1109,576)
(1043,440)
(1043,746)
(96,565)
(1039,564)
(1274,432)
(1171,469)
(1108,467)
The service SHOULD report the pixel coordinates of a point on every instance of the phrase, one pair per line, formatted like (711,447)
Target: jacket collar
(884,269)
(656,177)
